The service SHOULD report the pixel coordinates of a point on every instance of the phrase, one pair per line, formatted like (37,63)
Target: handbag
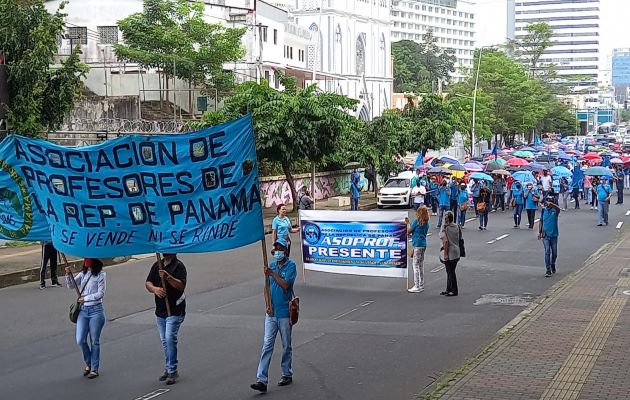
(75,308)
(294,309)
(463,207)
(481,207)
(462,245)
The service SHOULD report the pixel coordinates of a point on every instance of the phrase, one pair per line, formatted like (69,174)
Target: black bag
(75,308)
(294,309)
(462,245)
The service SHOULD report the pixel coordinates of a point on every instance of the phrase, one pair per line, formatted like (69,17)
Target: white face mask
(278,254)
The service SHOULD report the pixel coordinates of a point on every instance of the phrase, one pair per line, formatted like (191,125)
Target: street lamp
(474,110)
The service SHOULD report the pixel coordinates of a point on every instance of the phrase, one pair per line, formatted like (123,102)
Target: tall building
(576,27)
(621,74)
(452,23)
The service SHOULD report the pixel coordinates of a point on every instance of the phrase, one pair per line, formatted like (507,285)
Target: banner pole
(65,264)
(301,248)
(161,268)
(268,306)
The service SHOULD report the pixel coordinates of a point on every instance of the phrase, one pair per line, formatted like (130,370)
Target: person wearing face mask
(532,197)
(281,274)
(171,277)
(546,181)
(518,201)
(444,200)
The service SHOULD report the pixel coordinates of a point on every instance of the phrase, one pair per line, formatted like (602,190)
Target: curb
(459,374)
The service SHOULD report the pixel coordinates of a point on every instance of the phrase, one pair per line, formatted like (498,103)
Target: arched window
(360,55)
(383,55)
(338,46)
(315,57)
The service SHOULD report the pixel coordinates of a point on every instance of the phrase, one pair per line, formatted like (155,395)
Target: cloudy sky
(615,18)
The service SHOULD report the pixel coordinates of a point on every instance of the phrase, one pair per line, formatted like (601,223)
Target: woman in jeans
(91,282)
(418,231)
(450,235)
(485,196)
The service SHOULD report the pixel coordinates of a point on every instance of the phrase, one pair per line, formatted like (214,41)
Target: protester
(565,192)
(454,191)
(476,186)
(546,181)
(548,232)
(418,231)
(604,193)
(281,226)
(499,190)
(450,235)
(594,200)
(355,190)
(588,191)
(305,202)
(432,195)
(484,205)
(509,184)
(281,275)
(619,181)
(168,284)
(91,283)
(462,204)
(532,196)
(370,176)
(518,201)
(49,254)
(444,200)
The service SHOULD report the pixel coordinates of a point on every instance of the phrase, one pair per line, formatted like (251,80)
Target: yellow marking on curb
(22,253)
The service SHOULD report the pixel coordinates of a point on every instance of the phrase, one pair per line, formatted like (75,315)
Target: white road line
(346,313)
(471,219)
(619,225)
(438,269)
(492,241)
(153,394)
(627,213)
(499,238)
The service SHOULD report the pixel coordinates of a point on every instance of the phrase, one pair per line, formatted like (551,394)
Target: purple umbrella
(474,167)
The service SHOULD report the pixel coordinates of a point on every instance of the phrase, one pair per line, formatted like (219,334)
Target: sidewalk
(573,343)
(21,264)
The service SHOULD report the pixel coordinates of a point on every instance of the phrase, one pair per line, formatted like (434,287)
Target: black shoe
(86,371)
(172,378)
(92,375)
(443,293)
(163,377)
(450,294)
(261,387)
(286,380)
(57,284)
(42,287)
(600,225)
(548,274)
(553,271)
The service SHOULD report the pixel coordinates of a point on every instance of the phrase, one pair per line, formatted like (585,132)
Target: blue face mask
(278,254)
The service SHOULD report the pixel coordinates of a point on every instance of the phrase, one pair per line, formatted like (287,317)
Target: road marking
(619,224)
(499,238)
(364,304)
(537,220)
(153,394)
(627,213)
(471,219)
(438,269)
(22,253)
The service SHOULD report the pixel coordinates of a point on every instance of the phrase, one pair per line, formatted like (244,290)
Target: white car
(396,191)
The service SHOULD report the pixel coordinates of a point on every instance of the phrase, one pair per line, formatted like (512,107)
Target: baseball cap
(282,242)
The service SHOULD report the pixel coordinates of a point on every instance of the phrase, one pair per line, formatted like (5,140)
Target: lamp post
(474,110)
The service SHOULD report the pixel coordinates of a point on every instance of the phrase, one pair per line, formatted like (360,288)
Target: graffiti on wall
(277,191)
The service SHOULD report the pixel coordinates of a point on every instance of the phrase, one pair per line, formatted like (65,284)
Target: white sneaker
(421,289)
(414,289)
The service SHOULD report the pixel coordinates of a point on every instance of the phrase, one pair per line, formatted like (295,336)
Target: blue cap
(282,242)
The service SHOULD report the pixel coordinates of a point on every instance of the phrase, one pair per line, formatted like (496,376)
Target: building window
(267,76)
(264,34)
(360,55)
(77,34)
(291,53)
(275,36)
(107,34)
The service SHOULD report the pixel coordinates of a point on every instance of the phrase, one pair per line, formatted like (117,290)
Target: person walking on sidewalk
(418,231)
(281,226)
(355,190)
(604,193)
(518,201)
(548,232)
(532,197)
(49,255)
(484,205)
(444,200)
(305,202)
(619,181)
(450,235)
(91,282)
(462,204)
(171,277)
(281,275)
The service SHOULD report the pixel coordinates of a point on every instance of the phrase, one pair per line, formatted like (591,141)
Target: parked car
(626,143)
(396,191)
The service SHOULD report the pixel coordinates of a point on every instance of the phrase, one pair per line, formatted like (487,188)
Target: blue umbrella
(562,171)
(527,149)
(564,156)
(598,171)
(534,167)
(449,159)
(482,176)
(523,176)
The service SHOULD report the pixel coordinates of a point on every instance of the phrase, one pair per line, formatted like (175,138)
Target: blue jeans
(272,326)
(551,252)
(168,328)
(518,211)
(483,219)
(461,217)
(602,209)
(443,209)
(354,204)
(91,320)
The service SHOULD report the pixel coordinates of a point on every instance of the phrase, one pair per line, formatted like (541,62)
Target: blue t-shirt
(529,201)
(517,195)
(454,188)
(433,186)
(419,233)
(444,197)
(281,225)
(354,189)
(279,297)
(462,197)
(475,189)
(603,191)
(549,218)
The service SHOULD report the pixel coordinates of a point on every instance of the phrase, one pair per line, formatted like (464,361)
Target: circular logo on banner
(312,233)
(16,212)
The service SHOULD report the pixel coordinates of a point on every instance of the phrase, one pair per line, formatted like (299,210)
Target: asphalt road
(358,337)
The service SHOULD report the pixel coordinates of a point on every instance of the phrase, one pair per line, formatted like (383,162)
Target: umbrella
(565,157)
(517,162)
(448,159)
(534,167)
(456,167)
(353,164)
(524,154)
(492,166)
(523,176)
(616,161)
(473,167)
(598,171)
(590,155)
(500,172)
(482,176)
(500,161)
(561,171)
(527,149)
(439,171)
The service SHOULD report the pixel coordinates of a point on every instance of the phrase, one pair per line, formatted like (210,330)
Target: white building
(452,23)
(576,26)
(350,49)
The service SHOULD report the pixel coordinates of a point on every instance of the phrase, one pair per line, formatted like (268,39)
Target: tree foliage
(432,123)
(418,67)
(290,125)
(461,96)
(40,95)
(173,36)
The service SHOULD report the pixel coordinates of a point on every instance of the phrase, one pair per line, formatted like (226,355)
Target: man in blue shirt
(355,193)
(444,201)
(604,192)
(475,192)
(548,232)
(281,274)
(432,196)
(518,201)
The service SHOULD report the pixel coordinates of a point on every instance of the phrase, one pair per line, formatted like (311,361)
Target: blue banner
(174,193)
(355,242)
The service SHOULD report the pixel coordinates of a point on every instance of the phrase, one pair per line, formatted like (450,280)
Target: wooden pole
(161,268)
(268,306)
(65,263)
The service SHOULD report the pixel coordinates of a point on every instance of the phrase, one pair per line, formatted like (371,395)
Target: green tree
(559,118)
(173,36)
(461,96)
(432,123)
(290,125)
(419,67)
(625,115)
(41,95)
(530,48)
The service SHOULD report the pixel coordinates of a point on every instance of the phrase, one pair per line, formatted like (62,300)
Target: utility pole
(474,110)
(318,56)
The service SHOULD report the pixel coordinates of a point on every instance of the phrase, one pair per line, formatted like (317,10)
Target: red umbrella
(591,155)
(517,162)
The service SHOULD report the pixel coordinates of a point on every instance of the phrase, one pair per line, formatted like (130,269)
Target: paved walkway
(574,343)
(21,264)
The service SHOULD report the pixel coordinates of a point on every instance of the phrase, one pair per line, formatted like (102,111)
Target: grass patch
(15,243)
